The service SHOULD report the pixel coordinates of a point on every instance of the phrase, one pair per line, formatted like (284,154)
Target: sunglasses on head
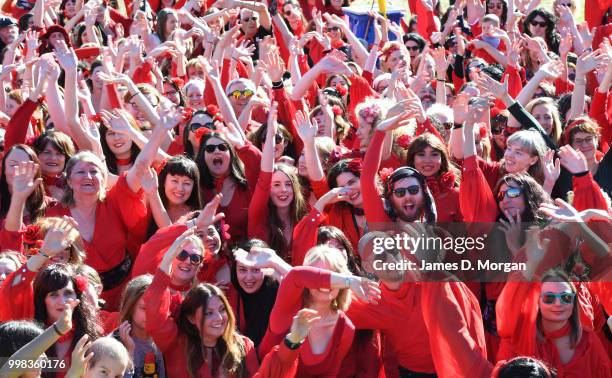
(253,18)
(509,193)
(412,190)
(210,148)
(413,48)
(537,23)
(237,93)
(565,297)
(193,258)
(194,126)
(333,28)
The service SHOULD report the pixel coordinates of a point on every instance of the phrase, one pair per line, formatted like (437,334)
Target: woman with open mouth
(278,197)
(201,339)
(324,284)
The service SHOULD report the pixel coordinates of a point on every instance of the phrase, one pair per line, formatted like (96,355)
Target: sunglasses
(509,193)
(413,48)
(210,148)
(288,13)
(497,130)
(237,93)
(536,23)
(333,28)
(510,130)
(494,6)
(478,67)
(193,258)
(249,19)
(565,297)
(194,126)
(412,190)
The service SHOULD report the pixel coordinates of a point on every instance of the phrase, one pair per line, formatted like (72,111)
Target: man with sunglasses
(255,21)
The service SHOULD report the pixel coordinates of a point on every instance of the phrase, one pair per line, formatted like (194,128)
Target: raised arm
(331,63)
(549,70)
(308,133)
(586,63)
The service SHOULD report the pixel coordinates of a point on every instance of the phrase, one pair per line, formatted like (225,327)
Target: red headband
(390,50)
(568,129)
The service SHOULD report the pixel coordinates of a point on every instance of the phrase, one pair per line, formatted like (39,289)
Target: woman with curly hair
(541,23)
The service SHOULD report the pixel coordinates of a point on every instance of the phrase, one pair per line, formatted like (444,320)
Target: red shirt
(288,302)
(165,332)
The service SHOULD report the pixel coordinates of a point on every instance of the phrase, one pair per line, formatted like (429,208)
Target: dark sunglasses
(494,6)
(288,13)
(536,23)
(210,148)
(509,193)
(475,67)
(413,48)
(510,130)
(194,126)
(193,258)
(565,297)
(497,130)
(253,18)
(237,93)
(412,190)
(333,28)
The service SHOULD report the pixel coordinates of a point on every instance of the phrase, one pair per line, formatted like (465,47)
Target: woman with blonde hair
(546,113)
(322,284)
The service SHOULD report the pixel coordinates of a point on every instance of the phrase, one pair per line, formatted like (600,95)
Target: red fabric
(364,360)
(515,84)
(358,92)
(18,287)
(426,126)
(599,112)
(288,302)
(239,204)
(305,236)
(87,52)
(427,24)
(143,74)
(281,362)
(116,216)
(372,202)
(594,11)
(588,194)
(164,331)
(258,208)
(563,85)
(286,116)
(476,198)
(17,127)
(11,240)
(484,55)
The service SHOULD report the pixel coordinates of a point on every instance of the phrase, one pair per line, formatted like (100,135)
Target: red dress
(165,333)
(288,302)
(116,216)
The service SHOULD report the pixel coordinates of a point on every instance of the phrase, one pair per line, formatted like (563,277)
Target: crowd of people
(195,188)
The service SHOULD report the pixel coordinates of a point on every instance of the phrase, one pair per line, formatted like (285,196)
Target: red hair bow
(355,166)
(404,141)
(199,133)
(81,283)
(341,89)
(337,110)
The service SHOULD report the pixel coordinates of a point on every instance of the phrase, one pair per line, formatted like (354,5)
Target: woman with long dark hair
(278,197)
(202,340)
(541,23)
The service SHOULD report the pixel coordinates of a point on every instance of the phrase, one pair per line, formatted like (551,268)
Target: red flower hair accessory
(85,72)
(337,110)
(225,230)
(404,141)
(355,166)
(199,133)
(483,132)
(81,283)
(32,234)
(385,173)
(187,113)
(337,154)
(341,89)
(95,118)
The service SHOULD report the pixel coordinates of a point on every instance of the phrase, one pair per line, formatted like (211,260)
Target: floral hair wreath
(81,283)
(371,111)
(355,166)
(404,141)
(337,110)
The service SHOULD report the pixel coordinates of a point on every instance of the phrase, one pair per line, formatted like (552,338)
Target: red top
(373,204)
(281,362)
(165,333)
(19,287)
(429,345)
(476,197)
(17,127)
(286,116)
(288,302)
(116,216)
(517,309)
(358,92)
(239,204)
(599,111)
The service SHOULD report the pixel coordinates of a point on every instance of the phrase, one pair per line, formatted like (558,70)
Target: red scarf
(218,181)
(563,331)
(124,162)
(441,184)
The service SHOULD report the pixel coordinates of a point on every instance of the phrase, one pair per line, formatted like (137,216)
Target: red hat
(45,47)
